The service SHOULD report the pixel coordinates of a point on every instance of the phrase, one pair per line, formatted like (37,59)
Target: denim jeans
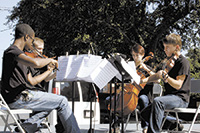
(143,102)
(155,112)
(42,103)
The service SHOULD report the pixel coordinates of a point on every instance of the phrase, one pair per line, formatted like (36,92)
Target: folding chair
(157,91)
(5,112)
(195,88)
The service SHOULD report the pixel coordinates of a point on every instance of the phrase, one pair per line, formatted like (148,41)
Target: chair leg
(47,125)
(195,116)
(164,121)
(6,124)
(136,117)
(127,120)
(177,121)
(18,124)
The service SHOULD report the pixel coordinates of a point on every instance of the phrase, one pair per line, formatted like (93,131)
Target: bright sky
(6,37)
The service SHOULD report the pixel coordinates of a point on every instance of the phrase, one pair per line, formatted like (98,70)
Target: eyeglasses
(32,39)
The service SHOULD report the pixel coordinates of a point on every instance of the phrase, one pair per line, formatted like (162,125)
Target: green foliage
(194,54)
(109,25)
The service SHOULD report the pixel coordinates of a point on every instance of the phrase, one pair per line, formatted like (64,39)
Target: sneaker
(144,130)
(173,127)
(180,127)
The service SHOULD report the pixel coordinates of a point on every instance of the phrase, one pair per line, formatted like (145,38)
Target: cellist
(145,95)
(176,83)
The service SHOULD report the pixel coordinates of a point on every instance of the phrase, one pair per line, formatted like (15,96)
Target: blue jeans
(155,113)
(143,102)
(42,103)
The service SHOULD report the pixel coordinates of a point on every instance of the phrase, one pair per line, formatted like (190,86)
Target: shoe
(180,127)
(173,127)
(144,130)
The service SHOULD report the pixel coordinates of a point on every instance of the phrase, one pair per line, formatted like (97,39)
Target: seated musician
(145,95)
(39,46)
(18,87)
(176,83)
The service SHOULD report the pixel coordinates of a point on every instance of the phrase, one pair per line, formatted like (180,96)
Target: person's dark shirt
(14,75)
(181,67)
(35,72)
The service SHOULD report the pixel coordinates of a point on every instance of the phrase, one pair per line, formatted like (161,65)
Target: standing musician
(145,95)
(176,83)
(18,87)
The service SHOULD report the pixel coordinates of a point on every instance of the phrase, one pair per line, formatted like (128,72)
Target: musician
(176,83)
(145,95)
(39,46)
(18,84)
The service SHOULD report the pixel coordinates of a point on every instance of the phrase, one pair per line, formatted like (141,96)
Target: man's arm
(50,76)
(39,78)
(35,62)
(175,83)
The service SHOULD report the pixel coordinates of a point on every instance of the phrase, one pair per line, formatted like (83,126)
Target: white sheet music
(89,68)
(131,70)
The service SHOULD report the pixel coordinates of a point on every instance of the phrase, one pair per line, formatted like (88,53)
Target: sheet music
(89,68)
(63,62)
(89,63)
(103,73)
(130,70)
(74,67)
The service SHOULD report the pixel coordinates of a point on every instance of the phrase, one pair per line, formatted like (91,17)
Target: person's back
(17,84)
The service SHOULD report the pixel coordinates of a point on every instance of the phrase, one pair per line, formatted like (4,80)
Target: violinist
(176,85)
(145,95)
(18,88)
(39,46)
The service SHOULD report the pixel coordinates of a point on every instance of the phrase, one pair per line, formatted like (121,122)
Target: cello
(131,92)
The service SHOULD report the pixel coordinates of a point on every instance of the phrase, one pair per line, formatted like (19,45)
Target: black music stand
(116,62)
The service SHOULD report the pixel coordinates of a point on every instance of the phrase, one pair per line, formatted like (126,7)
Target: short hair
(22,30)
(138,49)
(37,39)
(174,39)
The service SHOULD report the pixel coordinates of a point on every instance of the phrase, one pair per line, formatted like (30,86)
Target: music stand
(118,62)
(88,68)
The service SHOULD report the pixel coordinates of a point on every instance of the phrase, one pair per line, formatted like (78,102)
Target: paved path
(103,128)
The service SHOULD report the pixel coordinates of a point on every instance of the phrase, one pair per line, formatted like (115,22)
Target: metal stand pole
(73,95)
(115,97)
(110,116)
(91,130)
(122,105)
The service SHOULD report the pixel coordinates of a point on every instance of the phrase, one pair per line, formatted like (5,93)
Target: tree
(194,54)
(109,26)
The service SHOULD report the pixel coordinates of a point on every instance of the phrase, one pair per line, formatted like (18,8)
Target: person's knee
(63,102)
(157,103)
(156,100)
(144,99)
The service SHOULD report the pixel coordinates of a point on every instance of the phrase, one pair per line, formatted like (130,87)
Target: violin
(131,92)
(34,55)
(169,62)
